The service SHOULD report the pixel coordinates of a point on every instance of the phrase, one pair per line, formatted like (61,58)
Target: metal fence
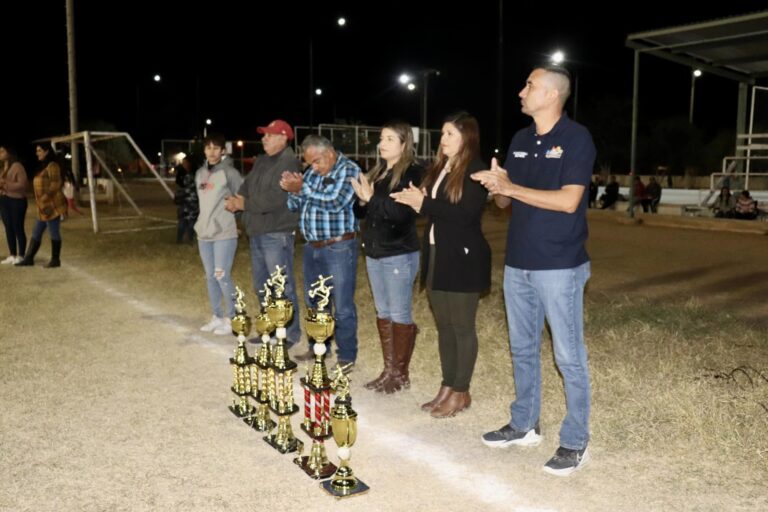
(360,142)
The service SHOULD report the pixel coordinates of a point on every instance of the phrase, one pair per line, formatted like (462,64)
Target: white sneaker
(215,323)
(10,260)
(225,327)
(18,259)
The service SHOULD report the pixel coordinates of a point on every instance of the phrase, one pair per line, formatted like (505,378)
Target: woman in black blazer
(456,268)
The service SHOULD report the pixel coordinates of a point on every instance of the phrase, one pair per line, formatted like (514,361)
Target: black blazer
(462,254)
(390,227)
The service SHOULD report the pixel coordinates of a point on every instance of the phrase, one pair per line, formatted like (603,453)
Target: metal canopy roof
(735,47)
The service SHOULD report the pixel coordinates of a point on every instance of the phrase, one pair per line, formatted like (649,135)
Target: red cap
(277,127)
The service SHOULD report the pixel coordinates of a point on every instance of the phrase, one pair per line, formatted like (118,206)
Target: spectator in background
(51,206)
(187,205)
(611,194)
(724,204)
(13,203)
(653,192)
(593,185)
(746,207)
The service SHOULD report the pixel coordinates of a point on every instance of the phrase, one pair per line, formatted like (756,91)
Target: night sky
(244,63)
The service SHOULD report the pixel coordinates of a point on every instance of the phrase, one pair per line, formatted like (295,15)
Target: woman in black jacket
(457,266)
(391,248)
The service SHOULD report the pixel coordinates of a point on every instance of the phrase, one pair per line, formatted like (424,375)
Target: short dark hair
(555,68)
(217,139)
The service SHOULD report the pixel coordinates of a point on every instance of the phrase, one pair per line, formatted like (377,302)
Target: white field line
(485,487)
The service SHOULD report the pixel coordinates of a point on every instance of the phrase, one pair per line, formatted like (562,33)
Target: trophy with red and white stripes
(317,386)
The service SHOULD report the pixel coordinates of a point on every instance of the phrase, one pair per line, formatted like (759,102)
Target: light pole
(242,160)
(694,75)
(208,123)
(157,79)
(341,22)
(557,58)
(407,80)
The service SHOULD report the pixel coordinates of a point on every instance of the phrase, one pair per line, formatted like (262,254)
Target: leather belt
(324,243)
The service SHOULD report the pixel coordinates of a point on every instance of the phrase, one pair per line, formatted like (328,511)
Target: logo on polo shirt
(520,154)
(554,152)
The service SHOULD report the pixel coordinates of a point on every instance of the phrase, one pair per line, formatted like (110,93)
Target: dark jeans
(455,314)
(340,261)
(40,225)
(186,226)
(13,212)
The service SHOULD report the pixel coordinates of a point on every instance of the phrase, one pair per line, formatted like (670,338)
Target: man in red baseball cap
(268,222)
(277,127)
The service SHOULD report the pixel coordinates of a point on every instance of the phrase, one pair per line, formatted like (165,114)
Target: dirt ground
(113,400)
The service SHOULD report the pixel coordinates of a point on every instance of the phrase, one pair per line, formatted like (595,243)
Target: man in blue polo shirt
(548,168)
(324,198)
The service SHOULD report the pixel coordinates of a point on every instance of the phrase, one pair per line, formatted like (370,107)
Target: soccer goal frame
(87,138)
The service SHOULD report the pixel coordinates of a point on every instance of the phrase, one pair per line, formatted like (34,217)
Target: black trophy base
(314,435)
(340,492)
(258,425)
(320,473)
(287,447)
(236,411)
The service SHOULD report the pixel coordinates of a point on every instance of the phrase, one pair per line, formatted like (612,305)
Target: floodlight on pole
(694,75)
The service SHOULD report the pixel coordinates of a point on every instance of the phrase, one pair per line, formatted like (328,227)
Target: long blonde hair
(470,149)
(379,171)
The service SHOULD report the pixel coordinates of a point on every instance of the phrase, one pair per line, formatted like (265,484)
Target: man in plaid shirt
(324,196)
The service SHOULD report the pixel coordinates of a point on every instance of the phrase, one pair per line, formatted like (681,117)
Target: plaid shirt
(325,203)
(50,200)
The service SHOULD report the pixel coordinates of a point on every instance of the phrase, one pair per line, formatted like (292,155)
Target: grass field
(114,401)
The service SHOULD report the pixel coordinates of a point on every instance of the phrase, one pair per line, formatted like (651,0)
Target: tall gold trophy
(344,423)
(317,387)
(242,363)
(280,311)
(263,368)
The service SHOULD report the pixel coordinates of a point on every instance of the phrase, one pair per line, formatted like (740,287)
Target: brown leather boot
(442,394)
(454,404)
(404,340)
(387,351)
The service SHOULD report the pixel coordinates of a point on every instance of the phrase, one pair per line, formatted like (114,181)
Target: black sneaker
(566,461)
(507,435)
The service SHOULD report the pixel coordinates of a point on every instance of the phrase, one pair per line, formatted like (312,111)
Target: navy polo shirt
(542,239)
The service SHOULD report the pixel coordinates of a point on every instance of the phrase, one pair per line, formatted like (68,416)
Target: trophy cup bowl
(241,324)
(320,325)
(344,423)
(280,311)
(264,323)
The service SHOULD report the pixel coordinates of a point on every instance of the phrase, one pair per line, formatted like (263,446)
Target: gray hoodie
(213,185)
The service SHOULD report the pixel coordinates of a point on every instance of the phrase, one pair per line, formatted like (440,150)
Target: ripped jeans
(217,256)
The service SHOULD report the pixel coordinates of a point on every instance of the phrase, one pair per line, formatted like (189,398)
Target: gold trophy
(344,423)
(317,389)
(263,367)
(280,388)
(242,363)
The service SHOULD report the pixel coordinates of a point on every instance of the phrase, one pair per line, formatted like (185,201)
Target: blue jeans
(559,295)
(268,251)
(392,280)
(217,257)
(340,261)
(53,225)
